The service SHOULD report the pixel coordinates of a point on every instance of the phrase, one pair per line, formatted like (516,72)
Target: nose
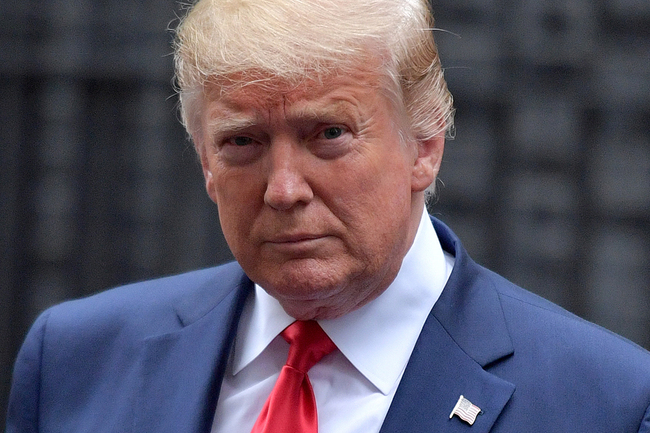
(286,183)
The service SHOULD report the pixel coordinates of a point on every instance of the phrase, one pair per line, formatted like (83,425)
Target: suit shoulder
(81,354)
(164,290)
(561,361)
(542,325)
(150,304)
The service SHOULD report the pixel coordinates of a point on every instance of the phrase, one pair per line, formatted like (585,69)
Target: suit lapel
(464,333)
(437,374)
(182,371)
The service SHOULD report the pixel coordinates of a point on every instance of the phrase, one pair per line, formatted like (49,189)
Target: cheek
(372,200)
(376,182)
(238,200)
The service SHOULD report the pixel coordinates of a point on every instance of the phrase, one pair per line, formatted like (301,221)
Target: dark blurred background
(547,181)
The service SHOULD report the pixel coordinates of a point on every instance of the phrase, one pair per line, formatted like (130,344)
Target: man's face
(318,199)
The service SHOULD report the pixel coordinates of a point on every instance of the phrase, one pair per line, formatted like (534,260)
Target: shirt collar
(377,338)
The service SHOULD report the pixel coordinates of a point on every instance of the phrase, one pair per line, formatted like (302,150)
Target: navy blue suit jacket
(150,357)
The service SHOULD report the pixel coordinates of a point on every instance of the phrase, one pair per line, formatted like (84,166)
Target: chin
(304,290)
(313,310)
(306,279)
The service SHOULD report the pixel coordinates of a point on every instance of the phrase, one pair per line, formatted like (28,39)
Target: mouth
(298,245)
(295,238)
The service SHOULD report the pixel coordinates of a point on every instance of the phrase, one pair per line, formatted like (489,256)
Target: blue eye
(333,132)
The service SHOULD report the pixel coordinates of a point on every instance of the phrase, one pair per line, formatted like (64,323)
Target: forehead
(245,94)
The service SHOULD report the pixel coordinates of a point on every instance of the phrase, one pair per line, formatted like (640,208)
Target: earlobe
(209,184)
(207,175)
(427,163)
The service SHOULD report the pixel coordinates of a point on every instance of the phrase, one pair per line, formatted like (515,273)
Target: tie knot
(309,343)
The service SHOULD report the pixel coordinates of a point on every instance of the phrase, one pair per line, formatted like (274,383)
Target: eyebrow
(229,123)
(225,121)
(325,112)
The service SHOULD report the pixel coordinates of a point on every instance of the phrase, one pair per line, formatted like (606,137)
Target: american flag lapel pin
(465,410)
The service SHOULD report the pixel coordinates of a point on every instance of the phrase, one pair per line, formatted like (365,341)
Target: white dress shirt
(355,385)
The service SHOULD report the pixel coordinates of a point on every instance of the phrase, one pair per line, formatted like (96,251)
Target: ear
(207,174)
(427,162)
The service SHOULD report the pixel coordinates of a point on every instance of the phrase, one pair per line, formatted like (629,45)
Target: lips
(294,238)
(298,245)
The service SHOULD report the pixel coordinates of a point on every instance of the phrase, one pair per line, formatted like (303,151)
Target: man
(320,126)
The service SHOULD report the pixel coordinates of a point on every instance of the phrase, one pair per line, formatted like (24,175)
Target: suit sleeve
(22,413)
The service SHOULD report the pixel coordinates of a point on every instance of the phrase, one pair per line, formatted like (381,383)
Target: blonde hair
(295,40)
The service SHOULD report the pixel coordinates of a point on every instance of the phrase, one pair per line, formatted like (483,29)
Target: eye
(241,140)
(332,132)
(239,150)
(331,142)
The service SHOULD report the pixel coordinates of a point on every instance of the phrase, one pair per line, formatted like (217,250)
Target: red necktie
(291,407)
